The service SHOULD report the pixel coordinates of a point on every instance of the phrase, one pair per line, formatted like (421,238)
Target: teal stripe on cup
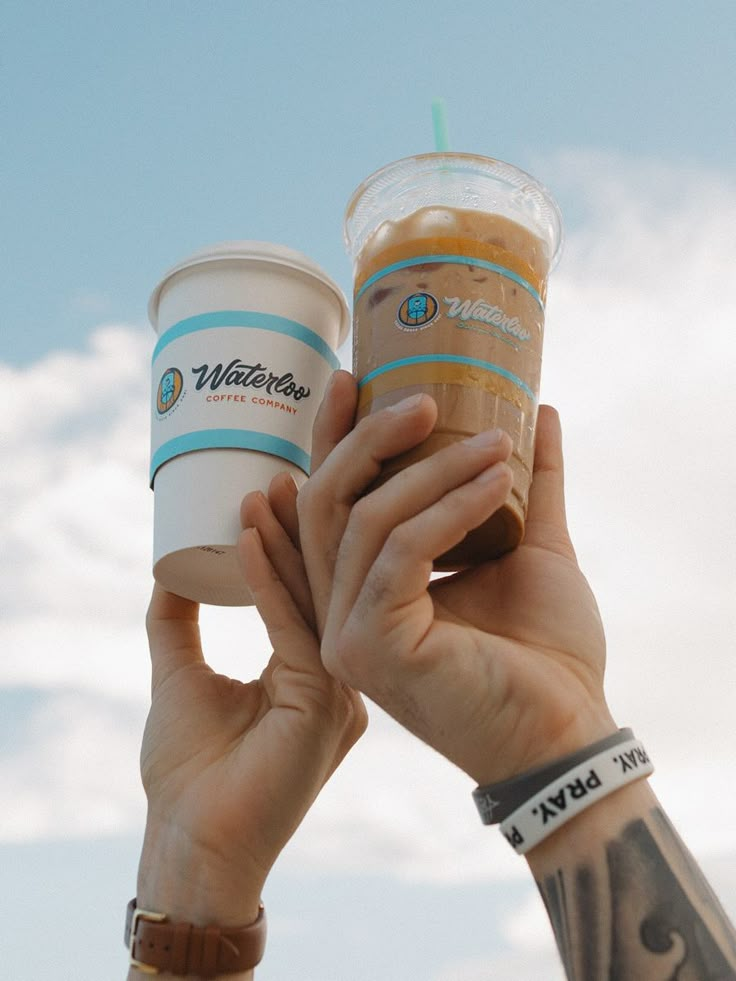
(229,439)
(449,359)
(459,260)
(248,318)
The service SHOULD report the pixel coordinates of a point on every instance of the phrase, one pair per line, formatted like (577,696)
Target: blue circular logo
(417,311)
(169,389)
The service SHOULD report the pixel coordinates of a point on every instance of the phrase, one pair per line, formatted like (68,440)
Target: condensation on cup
(247,341)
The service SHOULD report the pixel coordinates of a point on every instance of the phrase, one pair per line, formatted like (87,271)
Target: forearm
(627,901)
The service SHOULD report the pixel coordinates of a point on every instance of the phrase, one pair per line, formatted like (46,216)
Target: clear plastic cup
(451,255)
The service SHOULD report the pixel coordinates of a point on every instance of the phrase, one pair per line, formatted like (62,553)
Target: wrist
(174,949)
(582,838)
(583,729)
(531,807)
(192,883)
(606,768)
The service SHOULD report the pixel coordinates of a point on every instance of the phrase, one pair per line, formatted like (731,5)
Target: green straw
(439,119)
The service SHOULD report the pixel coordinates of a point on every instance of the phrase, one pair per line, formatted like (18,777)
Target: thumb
(546,524)
(172,624)
(335,416)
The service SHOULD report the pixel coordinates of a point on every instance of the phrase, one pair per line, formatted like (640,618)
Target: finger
(293,637)
(290,634)
(172,624)
(335,416)
(282,555)
(425,491)
(282,493)
(400,572)
(546,524)
(324,503)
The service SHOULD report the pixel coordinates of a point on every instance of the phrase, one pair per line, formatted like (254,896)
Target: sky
(136,133)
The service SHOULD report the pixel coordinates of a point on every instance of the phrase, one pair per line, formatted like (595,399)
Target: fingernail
(490,437)
(407,404)
(255,534)
(290,481)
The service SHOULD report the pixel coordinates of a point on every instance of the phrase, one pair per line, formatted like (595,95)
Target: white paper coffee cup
(247,335)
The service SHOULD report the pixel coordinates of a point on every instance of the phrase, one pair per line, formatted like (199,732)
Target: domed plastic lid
(252,251)
(453,180)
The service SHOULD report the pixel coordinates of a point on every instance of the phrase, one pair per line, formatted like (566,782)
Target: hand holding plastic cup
(247,335)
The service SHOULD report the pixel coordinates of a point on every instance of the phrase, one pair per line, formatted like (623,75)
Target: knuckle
(330,659)
(358,718)
(401,541)
(367,424)
(378,588)
(371,431)
(342,659)
(309,500)
(331,708)
(363,512)
(150,622)
(364,521)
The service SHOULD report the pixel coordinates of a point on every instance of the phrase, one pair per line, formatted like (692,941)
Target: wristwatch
(157,945)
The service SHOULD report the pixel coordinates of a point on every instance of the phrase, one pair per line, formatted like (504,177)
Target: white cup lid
(255,251)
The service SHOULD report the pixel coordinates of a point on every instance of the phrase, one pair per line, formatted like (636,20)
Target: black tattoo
(700,884)
(591,964)
(553,893)
(634,917)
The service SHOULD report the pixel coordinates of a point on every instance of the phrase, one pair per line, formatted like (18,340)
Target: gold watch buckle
(143,914)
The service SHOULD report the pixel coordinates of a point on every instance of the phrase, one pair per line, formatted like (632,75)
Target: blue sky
(140,131)
(135,133)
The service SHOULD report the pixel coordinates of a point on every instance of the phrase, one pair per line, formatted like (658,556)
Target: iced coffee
(452,254)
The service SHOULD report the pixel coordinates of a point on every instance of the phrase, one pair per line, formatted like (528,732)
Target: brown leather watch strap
(159,946)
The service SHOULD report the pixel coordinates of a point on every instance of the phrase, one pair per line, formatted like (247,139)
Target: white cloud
(71,769)
(526,952)
(639,358)
(77,523)
(396,807)
(519,965)
(527,927)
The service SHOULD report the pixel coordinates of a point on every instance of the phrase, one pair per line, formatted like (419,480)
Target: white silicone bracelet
(571,793)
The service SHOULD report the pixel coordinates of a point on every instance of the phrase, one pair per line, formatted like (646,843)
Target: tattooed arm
(500,668)
(627,901)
